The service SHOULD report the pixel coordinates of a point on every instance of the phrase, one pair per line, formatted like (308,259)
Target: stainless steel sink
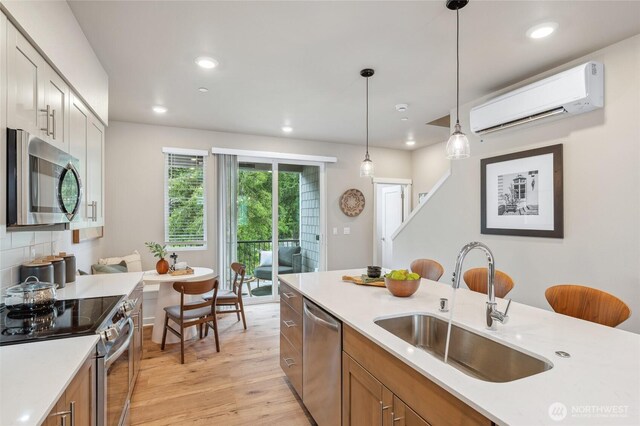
(469,352)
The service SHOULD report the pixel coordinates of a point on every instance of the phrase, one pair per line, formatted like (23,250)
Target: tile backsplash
(19,247)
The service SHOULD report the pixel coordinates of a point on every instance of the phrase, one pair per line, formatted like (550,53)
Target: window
(185,195)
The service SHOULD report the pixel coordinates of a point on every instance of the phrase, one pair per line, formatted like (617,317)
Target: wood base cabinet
(366,401)
(77,405)
(379,389)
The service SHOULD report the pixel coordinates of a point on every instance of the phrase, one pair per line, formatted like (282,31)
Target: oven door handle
(114,356)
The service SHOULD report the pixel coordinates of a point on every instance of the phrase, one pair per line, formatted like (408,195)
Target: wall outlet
(335,231)
(346,230)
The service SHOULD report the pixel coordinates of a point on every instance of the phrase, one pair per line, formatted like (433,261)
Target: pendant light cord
(367,97)
(458,66)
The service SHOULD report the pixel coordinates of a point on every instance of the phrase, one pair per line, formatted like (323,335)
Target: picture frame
(522,193)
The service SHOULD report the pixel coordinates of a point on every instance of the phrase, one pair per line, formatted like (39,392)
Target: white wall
(135,188)
(601,247)
(53,28)
(428,164)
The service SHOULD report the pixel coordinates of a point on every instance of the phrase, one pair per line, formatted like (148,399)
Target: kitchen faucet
(492,312)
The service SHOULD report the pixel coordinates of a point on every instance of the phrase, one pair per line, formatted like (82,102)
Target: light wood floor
(241,385)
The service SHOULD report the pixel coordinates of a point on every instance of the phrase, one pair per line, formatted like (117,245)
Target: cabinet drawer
(291,296)
(291,325)
(291,364)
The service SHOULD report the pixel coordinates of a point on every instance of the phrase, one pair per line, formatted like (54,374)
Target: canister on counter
(59,270)
(41,269)
(70,266)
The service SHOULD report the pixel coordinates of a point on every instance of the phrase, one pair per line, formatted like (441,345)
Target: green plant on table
(159,251)
(402,275)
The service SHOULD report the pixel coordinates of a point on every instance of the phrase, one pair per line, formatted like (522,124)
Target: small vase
(162,267)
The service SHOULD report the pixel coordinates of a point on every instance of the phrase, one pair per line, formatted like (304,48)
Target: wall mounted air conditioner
(577,90)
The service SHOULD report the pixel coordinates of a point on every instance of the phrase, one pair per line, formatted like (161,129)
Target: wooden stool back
(476,280)
(427,269)
(587,303)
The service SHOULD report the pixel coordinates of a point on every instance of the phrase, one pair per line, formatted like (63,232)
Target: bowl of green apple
(402,283)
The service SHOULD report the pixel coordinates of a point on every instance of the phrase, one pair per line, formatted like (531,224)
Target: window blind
(185,218)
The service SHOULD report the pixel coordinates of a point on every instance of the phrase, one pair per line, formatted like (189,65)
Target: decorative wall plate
(352,202)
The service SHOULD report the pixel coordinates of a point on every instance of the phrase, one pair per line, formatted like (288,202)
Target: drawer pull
(289,362)
(289,323)
(289,295)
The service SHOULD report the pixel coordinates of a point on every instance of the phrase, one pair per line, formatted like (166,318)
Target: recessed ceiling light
(404,119)
(203,89)
(158,109)
(287,129)
(206,62)
(402,107)
(410,143)
(542,30)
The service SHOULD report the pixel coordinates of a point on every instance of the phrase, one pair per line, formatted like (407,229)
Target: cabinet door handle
(289,362)
(94,211)
(289,323)
(394,419)
(48,111)
(53,118)
(72,409)
(289,295)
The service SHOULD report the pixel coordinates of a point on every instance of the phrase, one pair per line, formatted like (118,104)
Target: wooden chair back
(427,269)
(476,280)
(588,304)
(239,271)
(193,288)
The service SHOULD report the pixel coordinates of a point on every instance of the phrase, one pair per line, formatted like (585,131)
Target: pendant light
(366,168)
(458,144)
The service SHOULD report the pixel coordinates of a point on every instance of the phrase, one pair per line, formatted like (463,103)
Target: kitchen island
(599,384)
(34,375)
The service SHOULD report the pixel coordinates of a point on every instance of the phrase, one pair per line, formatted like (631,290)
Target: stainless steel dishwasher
(322,365)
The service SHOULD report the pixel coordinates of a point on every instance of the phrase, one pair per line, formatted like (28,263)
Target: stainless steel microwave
(43,183)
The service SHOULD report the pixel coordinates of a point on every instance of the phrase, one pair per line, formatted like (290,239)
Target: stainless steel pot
(32,294)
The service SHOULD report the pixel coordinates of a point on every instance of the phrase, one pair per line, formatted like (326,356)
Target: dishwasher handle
(320,317)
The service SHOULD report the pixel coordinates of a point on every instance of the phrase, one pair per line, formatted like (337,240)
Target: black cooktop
(66,318)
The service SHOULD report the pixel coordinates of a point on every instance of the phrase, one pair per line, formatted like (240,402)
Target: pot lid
(30,285)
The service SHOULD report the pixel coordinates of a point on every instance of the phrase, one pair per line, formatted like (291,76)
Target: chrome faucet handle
(506,311)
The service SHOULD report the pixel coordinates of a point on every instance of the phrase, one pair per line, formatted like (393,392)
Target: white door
(391,219)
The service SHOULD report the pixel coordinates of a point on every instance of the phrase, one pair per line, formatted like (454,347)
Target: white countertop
(34,375)
(601,377)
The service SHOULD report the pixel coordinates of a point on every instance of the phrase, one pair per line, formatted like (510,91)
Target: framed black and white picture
(521,193)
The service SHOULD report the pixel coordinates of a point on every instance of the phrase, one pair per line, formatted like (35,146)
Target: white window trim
(195,152)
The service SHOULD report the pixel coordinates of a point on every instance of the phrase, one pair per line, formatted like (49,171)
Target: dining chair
(193,313)
(427,269)
(476,280)
(587,303)
(233,297)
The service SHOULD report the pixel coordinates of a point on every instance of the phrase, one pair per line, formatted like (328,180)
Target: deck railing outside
(249,251)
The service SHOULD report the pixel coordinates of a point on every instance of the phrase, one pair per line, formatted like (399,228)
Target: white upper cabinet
(56,109)
(25,69)
(95,181)
(38,98)
(78,126)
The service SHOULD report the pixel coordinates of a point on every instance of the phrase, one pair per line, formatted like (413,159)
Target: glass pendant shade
(458,145)
(366,168)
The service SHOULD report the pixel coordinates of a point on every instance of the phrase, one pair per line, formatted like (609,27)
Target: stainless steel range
(107,316)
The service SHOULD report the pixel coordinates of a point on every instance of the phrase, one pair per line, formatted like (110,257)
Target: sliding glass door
(280,222)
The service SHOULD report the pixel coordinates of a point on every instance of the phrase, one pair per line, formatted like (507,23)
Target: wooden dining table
(167,296)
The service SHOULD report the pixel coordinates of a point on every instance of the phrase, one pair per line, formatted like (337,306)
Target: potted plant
(159,251)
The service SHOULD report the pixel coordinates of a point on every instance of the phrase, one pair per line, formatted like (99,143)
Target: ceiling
(298,63)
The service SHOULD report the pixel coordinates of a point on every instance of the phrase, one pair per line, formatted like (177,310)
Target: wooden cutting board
(358,280)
